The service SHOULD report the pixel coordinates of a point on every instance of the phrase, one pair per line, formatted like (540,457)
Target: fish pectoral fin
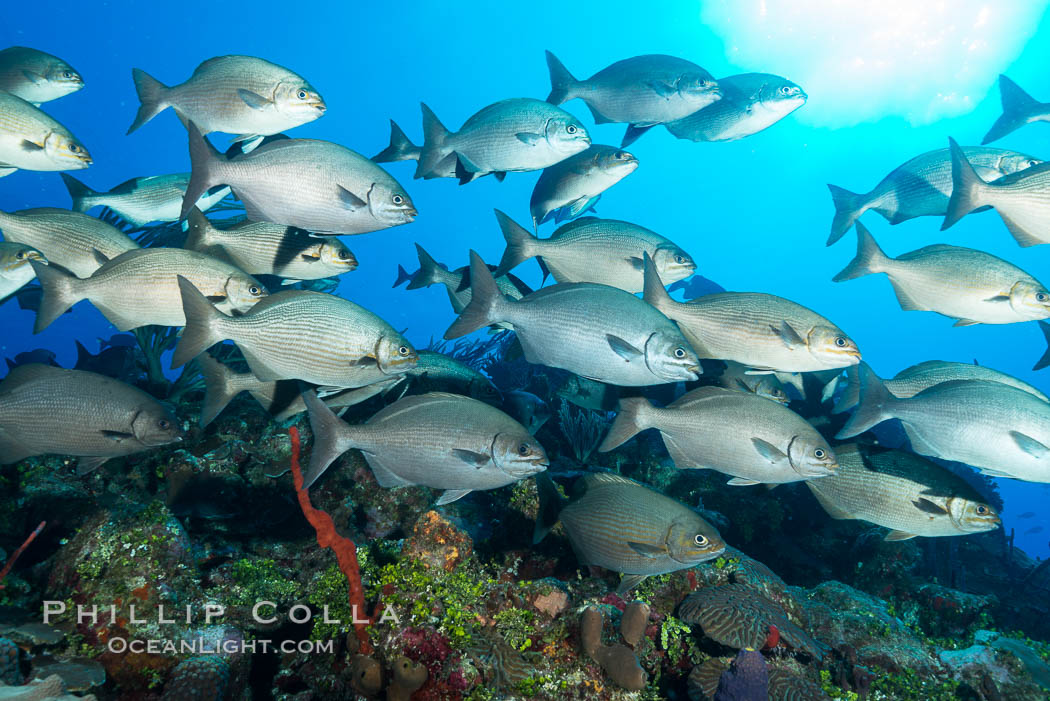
(33,77)
(328,391)
(117,436)
(998,298)
(366,361)
(636,263)
(995,473)
(1029,445)
(629,582)
(966,322)
(309,257)
(789,336)
(744,482)
(254,99)
(501,175)
(529,138)
(623,349)
(927,506)
(216,299)
(470,457)
(100,257)
(350,200)
(899,535)
(582,204)
(31,146)
(769,451)
(646,550)
(87,465)
(290,281)
(451,495)
(662,88)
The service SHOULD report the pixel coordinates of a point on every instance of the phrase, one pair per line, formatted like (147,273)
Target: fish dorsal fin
(932,248)
(597,479)
(702,394)
(278,298)
(24,374)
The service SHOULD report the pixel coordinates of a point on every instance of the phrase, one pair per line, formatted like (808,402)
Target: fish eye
(343,254)
(571,129)
(254,290)
(523,449)
(164,424)
(21,255)
(403,350)
(73,148)
(982,510)
(785,90)
(700,540)
(679,352)
(301,94)
(398,199)
(840,342)
(679,259)
(67,74)
(819,453)
(1040,296)
(1031,162)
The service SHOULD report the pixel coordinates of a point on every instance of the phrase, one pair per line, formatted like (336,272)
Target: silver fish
(603,251)
(139,201)
(903,492)
(282,398)
(627,527)
(241,95)
(1022,199)
(140,287)
(296,334)
(1019,108)
(589,394)
(262,248)
(972,287)
(920,187)
(736,376)
(642,91)
(753,439)
(36,76)
(32,140)
(456,282)
(68,239)
(912,380)
(48,410)
(567,189)
(437,371)
(597,331)
(517,134)
(528,409)
(314,185)
(442,441)
(761,331)
(1001,430)
(15,269)
(750,103)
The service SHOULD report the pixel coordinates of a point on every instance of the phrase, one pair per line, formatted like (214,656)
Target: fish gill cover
(235,462)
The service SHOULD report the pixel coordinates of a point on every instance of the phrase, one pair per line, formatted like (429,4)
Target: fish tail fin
(653,290)
(848,206)
(1017,106)
(60,291)
(218,387)
(851,395)
(967,187)
(874,404)
(870,258)
(403,276)
(400,148)
(562,82)
(201,331)
(519,244)
(434,136)
(199,231)
(630,421)
(203,159)
(486,302)
(153,96)
(1045,360)
(81,194)
(428,270)
(551,504)
(332,437)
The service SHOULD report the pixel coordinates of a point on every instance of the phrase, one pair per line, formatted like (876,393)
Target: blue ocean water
(753,213)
